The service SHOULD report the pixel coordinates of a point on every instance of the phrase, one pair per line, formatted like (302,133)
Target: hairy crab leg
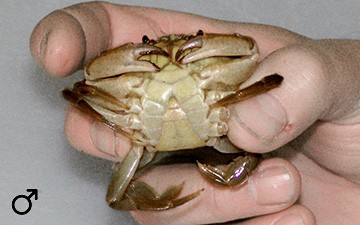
(259,87)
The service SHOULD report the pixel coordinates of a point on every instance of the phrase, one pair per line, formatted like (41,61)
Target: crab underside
(169,96)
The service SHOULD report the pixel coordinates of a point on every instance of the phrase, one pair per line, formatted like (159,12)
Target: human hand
(318,100)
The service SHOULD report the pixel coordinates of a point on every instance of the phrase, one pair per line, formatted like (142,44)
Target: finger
(274,186)
(295,215)
(312,90)
(66,39)
(94,138)
(318,183)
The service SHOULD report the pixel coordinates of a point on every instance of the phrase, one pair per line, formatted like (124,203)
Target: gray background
(34,152)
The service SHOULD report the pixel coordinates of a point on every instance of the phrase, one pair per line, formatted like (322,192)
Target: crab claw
(121,60)
(210,45)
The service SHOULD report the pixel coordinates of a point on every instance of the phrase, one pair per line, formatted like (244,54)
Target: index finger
(67,39)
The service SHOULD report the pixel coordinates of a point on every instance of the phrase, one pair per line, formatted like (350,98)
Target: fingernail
(272,186)
(262,116)
(103,138)
(291,219)
(42,46)
(38,43)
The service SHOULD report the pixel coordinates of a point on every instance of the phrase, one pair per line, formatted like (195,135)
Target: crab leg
(125,194)
(259,87)
(86,108)
(94,94)
(77,99)
(236,173)
(140,196)
(122,177)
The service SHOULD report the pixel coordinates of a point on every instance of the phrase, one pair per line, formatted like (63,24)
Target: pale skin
(314,117)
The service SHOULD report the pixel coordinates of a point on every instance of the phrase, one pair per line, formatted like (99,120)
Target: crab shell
(167,95)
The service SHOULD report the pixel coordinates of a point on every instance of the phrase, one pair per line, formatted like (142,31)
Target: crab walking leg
(125,194)
(94,94)
(140,196)
(122,177)
(236,173)
(77,99)
(259,87)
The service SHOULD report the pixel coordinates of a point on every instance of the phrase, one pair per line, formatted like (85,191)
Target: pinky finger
(294,215)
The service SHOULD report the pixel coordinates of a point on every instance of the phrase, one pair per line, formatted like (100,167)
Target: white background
(33,149)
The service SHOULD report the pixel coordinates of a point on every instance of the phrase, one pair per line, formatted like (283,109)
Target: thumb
(268,121)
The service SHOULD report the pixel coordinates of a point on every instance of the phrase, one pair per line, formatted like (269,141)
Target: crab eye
(145,39)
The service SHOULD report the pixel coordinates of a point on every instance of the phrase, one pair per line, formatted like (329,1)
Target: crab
(169,95)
